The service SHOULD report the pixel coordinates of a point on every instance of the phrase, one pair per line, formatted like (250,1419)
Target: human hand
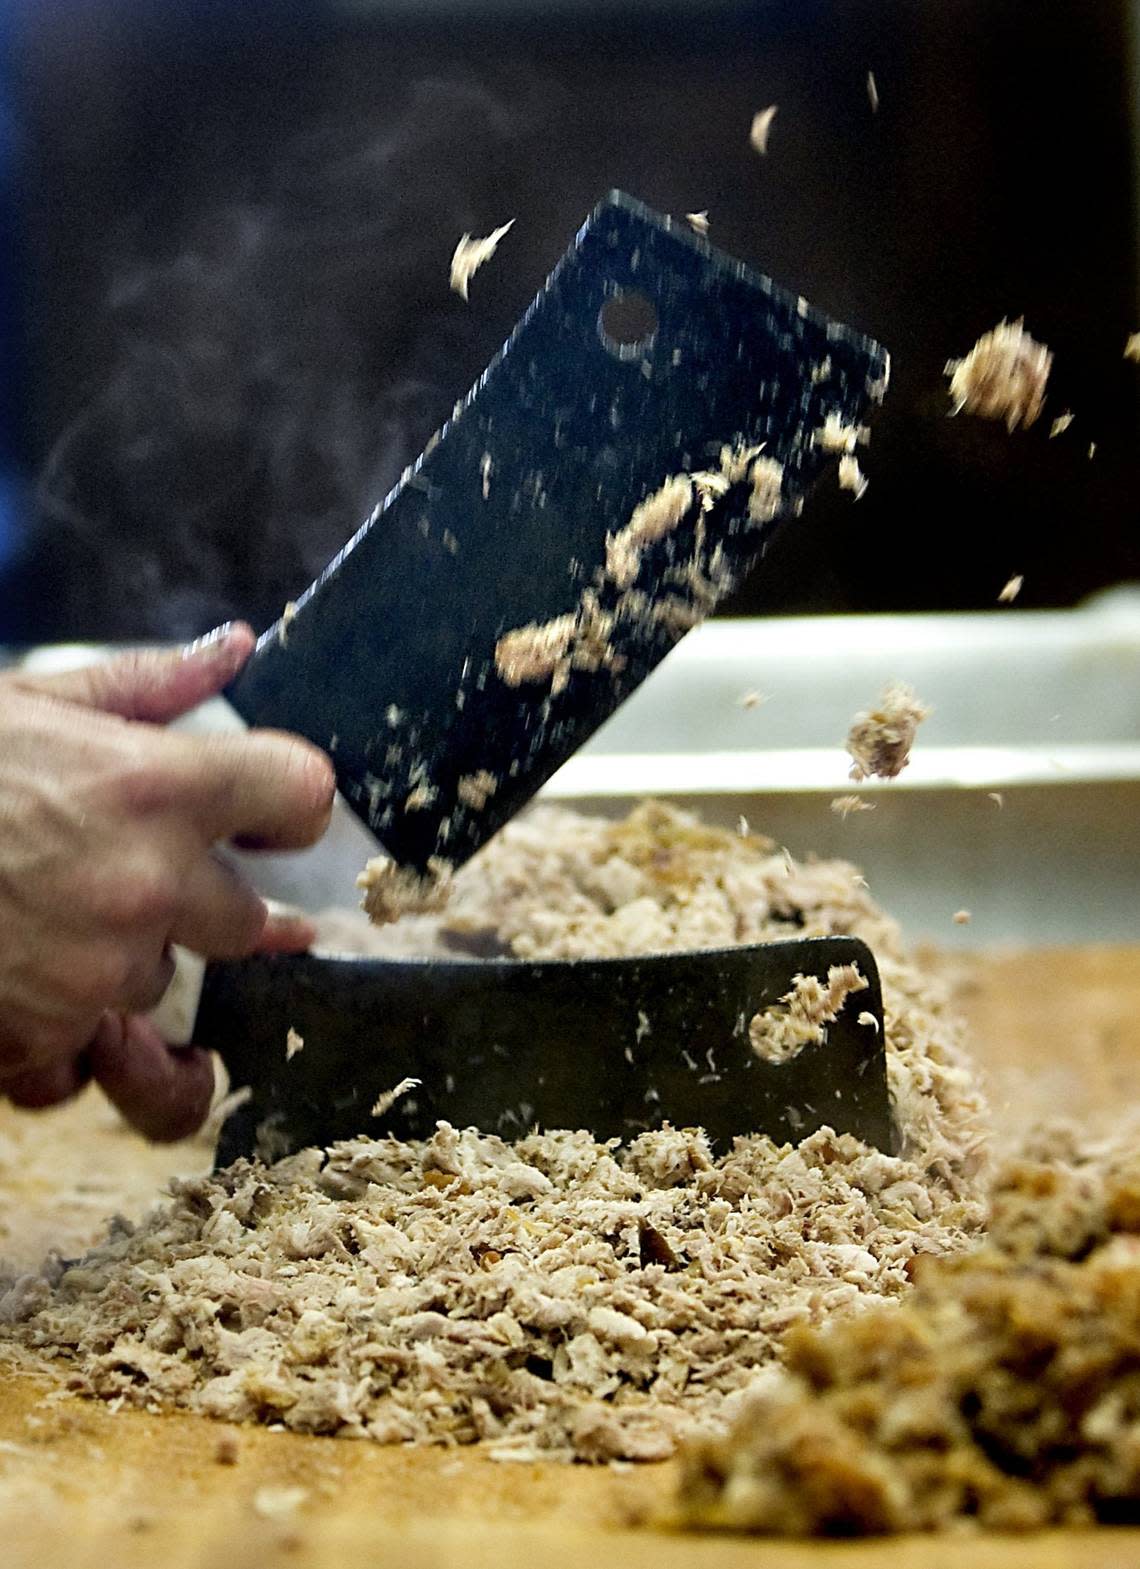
(107,828)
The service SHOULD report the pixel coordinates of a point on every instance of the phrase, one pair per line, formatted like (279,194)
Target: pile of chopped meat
(555,1296)
(1005,1390)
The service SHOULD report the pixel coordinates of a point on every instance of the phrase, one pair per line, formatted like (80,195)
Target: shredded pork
(801,1018)
(761,128)
(391,891)
(471,254)
(1003,376)
(1005,1392)
(658,515)
(555,1296)
(880,739)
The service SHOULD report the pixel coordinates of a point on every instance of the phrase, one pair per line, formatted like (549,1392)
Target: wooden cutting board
(1056,1032)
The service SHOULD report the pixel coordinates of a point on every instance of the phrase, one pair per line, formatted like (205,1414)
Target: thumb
(154,685)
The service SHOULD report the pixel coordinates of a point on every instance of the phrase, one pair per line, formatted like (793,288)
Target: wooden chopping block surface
(1056,1032)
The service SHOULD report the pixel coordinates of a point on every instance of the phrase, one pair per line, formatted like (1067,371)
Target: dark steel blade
(612,1045)
(389,659)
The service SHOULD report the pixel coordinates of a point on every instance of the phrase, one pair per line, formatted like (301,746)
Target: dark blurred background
(228,314)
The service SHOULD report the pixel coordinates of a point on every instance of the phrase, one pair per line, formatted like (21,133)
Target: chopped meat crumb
(420,797)
(391,890)
(698,221)
(1004,1392)
(851,476)
(1011,590)
(227,1450)
(767,490)
(1132,347)
(1002,377)
(736,461)
(278,1503)
(710,485)
(1060,424)
(844,805)
(579,640)
(761,128)
(287,616)
(476,789)
(470,255)
(534,652)
(388,1099)
(880,740)
(779,1033)
(834,436)
(656,516)
(554,1296)
(962,917)
(293,1044)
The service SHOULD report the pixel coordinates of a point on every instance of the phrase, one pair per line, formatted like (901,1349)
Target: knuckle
(142,784)
(145,895)
(153,895)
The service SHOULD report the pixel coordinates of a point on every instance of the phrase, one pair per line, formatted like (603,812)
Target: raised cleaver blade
(647,355)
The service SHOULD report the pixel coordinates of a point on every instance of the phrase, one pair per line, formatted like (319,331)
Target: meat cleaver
(616,470)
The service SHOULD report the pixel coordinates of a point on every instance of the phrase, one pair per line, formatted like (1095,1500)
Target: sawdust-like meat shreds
(654,518)
(391,890)
(852,477)
(534,652)
(1003,376)
(765,501)
(476,789)
(761,128)
(471,254)
(834,435)
(546,652)
(801,1018)
(1005,1391)
(880,739)
(555,1296)
(844,805)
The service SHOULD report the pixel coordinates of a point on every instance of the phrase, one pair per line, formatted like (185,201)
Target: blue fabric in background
(13,485)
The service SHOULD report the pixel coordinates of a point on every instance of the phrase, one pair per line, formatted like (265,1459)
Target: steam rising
(270,380)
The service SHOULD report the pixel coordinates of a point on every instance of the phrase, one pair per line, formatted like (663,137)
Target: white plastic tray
(1042,708)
